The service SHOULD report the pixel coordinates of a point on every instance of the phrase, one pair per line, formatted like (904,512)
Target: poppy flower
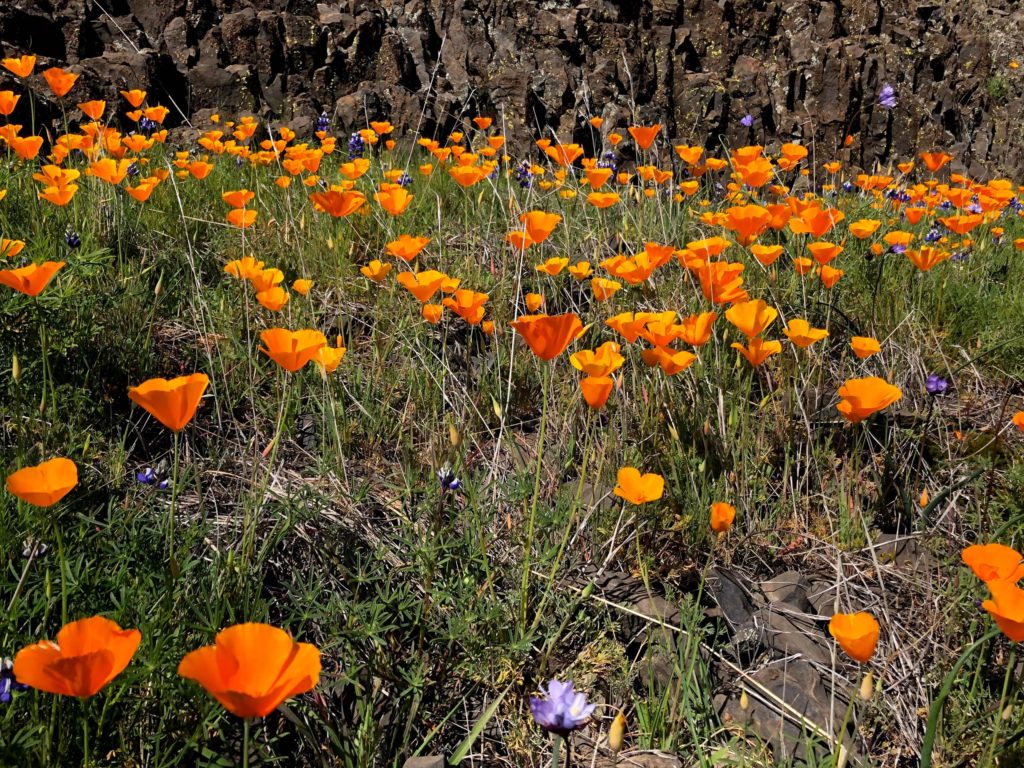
(816,221)
(407,247)
(935,160)
(927,257)
(597,177)
(394,200)
(1007,608)
(376,270)
(329,358)
(59,196)
(602,199)
(302,286)
(1018,420)
(59,80)
(669,360)
(44,484)
(548,335)
(11,248)
(994,562)
(25,147)
(274,298)
(135,97)
(469,305)
(595,390)
(265,279)
(238,198)
(241,217)
(863,397)
(252,668)
(553,266)
(8,101)
(864,228)
(338,202)
(802,266)
(599,362)
(856,633)
(539,224)
(636,488)
(432,313)
(757,350)
(801,333)
(87,655)
(689,155)
(722,515)
(628,325)
(581,270)
(829,275)
(865,346)
(766,254)
(747,221)
(751,318)
(172,402)
(422,285)
(292,349)
(31,279)
(644,135)
(695,330)
(603,288)
(533,301)
(823,252)
(109,170)
(19,67)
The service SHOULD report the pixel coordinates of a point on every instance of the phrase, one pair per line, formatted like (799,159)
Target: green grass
(336,528)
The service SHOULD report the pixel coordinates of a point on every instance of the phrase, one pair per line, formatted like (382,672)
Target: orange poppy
(757,350)
(432,313)
(20,67)
(539,224)
(595,390)
(865,346)
(1007,608)
(238,198)
(338,202)
(628,325)
(376,270)
(830,275)
(329,358)
(863,397)
(961,225)
(88,654)
(292,349)
(689,155)
(241,217)
(802,265)
(862,229)
(636,488)
(252,668)
(265,279)
(602,199)
(994,562)
(747,221)
(548,335)
(59,196)
(394,200)
(44,484)
(581,270)
(599,362)
(856,633)
(59,80)
(302,286)
(422,285)
(1018,420)
(135,97)
(109,170)
(31,279)
(816,221)
(11,248)
(695,330)
(273,298)
(824,252)
(722,515)
(935,160)
(597,177)
(469,305)
(603,288)
(407,247)
(927,257)
(172,402)
(553,266)
(801,333)
(751,317)
(25,147)
(644,135)
(669,360)
(533,301)
(8,101)
(766,254)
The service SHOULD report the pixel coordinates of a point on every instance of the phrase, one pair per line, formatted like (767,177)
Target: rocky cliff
(807,70)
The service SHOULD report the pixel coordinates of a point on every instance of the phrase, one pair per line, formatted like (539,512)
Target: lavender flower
(887,97)
(356,145)
(563,711)
(72,239)
(146,125)
(933,236)
(898,248)
(448,479)
(747,120)
(323,122)
(522,174)
(935,384)
(405,179)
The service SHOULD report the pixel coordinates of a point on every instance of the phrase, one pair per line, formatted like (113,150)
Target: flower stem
(173,509)
(245,743)
(528,546)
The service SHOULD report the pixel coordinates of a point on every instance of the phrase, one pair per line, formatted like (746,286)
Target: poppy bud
(453,435)
(15,369)
(867,687)
(159,286)
(616,732)
(673,432)
(707,427)
(744,700)
(1008,712)
(496,407)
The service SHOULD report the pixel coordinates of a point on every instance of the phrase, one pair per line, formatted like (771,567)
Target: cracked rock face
(804,70)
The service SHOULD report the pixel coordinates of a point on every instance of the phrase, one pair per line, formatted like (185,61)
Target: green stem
(528,546)
(172,512)
(999,710)
(63,575)
(245,743)
(85,734)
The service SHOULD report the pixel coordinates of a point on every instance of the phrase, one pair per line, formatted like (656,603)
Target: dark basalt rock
(806,71)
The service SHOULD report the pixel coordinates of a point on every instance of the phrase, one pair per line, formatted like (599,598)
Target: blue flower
(448,479)
(563,711)
(72,239)
(887,97)
(8,682)
(323,122)
(935,384)
(356,145)
(747,121)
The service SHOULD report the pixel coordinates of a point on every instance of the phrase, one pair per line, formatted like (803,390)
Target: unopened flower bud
(744,700)
(615,733)
(15,369)
(867,687)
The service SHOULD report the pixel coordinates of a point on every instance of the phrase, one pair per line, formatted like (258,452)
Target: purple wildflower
(448,479)
(887,97)
(563,711)
(8,682)
(747,120)
(935,384)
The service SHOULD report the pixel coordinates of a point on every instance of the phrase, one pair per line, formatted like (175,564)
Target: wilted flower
(563,711)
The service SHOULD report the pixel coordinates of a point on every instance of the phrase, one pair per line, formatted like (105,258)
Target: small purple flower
(935,384)
(146,125)
(323,123)
(887,97)
(563,711)
(8,682)
(146,476)
(356,145)
(72,239)
(448,479)
(747,120)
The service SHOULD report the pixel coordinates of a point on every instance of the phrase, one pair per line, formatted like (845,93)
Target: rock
(434,761)
(789,588)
